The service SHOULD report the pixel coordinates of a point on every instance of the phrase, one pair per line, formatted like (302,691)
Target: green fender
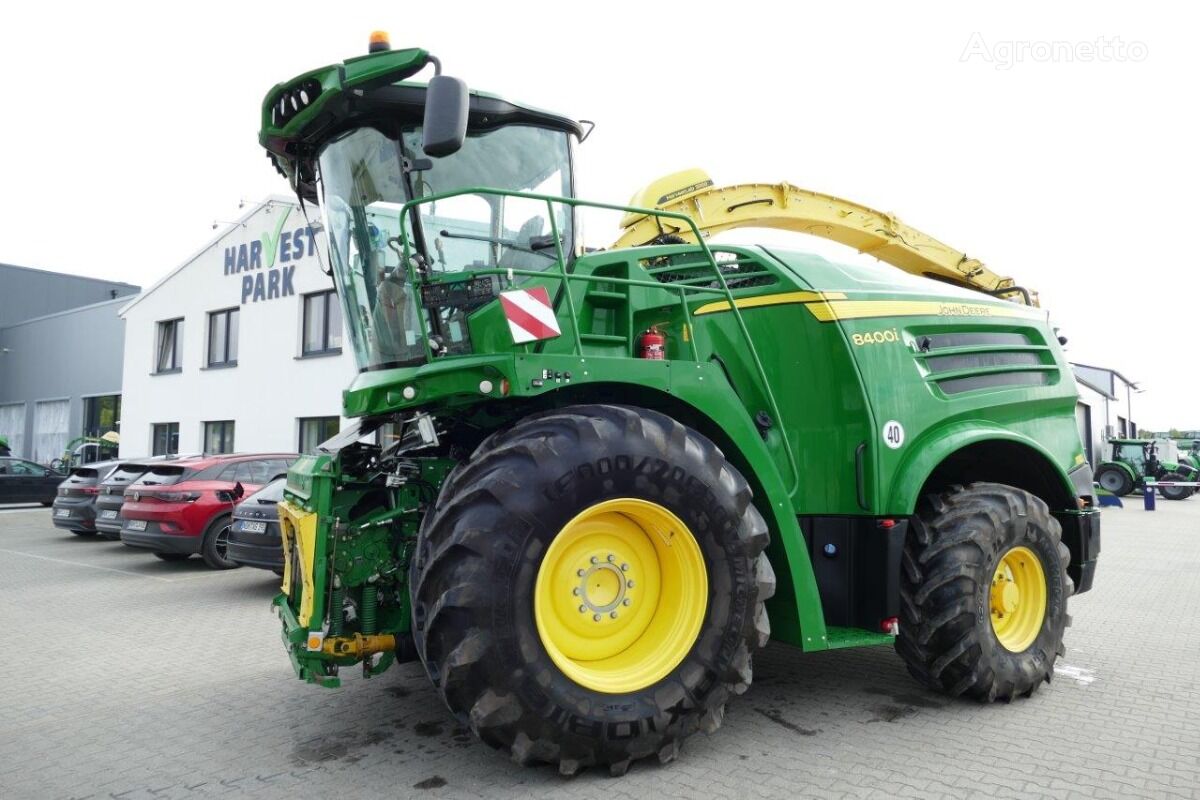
(935,445)
(807,628)
(798,619)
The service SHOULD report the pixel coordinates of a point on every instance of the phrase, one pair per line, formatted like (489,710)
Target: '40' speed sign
(893,434)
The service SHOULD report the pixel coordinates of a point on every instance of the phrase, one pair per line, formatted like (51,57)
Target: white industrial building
(238,349)
(1104,410)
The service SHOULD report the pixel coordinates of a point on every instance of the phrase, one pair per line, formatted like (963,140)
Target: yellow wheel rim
(621,595)
(1018,599)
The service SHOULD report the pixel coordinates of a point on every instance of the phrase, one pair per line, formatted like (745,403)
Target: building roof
(67,311)
(272,200)
(66,275)
(1080,379)
(1106,369)
(28,293)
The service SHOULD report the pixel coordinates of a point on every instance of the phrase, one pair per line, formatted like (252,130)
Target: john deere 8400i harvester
(584,487)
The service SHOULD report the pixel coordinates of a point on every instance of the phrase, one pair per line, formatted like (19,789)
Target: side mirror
(47,472)
(446,105)
(238,491)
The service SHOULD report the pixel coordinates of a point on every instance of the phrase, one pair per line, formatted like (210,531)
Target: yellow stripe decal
(863,309)
(768,300)
(831,306)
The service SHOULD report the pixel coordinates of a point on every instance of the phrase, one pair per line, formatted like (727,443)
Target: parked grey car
(254,538)
(75,506)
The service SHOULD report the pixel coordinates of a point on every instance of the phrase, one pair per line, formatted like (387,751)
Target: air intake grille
(966,361)
(693,269)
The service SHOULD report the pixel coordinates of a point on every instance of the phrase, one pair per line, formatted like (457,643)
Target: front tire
(984,591)
(583,508)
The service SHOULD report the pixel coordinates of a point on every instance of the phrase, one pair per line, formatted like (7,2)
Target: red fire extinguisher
(652,344)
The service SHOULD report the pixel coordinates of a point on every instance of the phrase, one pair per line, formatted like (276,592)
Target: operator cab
(1133,453)
(368,173)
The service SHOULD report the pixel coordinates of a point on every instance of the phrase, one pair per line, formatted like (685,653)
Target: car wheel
(172,556)
(215,547)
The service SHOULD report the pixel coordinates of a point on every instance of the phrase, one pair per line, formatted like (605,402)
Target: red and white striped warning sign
(529,314)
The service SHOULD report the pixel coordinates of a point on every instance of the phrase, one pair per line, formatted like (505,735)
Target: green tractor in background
(583,487)
(1136,460)
(1189,452)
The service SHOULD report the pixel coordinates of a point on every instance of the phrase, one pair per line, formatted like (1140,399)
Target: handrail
(566,278)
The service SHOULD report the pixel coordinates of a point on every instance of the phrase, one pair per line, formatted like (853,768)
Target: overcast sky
(1055,142)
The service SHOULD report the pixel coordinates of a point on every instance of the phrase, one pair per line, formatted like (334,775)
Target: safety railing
(566,278)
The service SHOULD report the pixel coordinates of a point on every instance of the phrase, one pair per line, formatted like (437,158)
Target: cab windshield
(363,188)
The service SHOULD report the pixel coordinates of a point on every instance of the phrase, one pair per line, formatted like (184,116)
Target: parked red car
(181,508)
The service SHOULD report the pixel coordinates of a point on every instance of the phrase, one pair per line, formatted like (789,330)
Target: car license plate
(62,512)
(254,527)
(136,524)
(110,513)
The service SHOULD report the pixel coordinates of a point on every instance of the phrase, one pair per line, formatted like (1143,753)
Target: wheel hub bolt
(579,572)
(595,560)
(582,609)
(575,591)
(613,614)
(626,601)
(624,568)
(611,558)
(629,584)
(595,617)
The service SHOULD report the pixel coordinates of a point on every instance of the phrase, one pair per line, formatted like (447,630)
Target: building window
(12,429)
(170,346)
(223,338)
(165,438)
(322,324)
(218,437)
(101,415)
(50,430)
(314,430)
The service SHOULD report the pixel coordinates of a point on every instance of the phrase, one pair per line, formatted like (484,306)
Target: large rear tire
(537,605)
(984,591)
(1175,492)
(1114,480)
